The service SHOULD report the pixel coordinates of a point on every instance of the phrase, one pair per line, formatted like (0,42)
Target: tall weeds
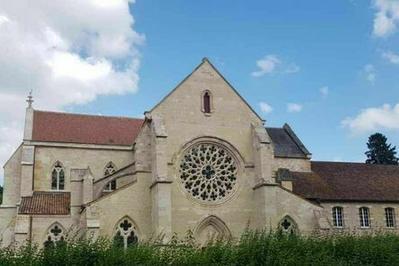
(253,248)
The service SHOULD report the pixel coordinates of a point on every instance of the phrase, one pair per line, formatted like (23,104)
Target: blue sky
(328,43)
(328,68)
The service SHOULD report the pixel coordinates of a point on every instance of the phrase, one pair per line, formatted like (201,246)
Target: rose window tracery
(208,172)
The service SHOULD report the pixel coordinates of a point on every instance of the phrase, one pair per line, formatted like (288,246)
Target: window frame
(58,169)
(204,108)
(338,216)
(126,234)
(364,217)
(111,186)
(390,222)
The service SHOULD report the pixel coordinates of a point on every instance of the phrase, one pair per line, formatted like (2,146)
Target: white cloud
(271,64)
(266,65)
(369,72)
(391,57)
(324,91)
(294,107)
(386,17)
(265,108)
(373,118)
(68,52)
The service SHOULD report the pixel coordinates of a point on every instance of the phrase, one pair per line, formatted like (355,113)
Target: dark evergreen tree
(380,152)
(1,194)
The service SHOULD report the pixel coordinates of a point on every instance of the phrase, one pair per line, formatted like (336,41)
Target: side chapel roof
(84,129)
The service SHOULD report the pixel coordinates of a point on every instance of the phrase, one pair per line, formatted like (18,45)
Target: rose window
(208,172)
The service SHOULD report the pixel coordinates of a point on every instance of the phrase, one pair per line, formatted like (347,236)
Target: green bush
(253,248)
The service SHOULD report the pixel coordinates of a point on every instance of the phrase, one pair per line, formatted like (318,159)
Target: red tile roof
(84,129)
(46,203)
(336,181)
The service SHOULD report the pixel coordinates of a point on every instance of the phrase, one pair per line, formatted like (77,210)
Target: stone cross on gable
(29,99)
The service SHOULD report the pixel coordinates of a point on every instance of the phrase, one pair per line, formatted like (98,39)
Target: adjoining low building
(200,160)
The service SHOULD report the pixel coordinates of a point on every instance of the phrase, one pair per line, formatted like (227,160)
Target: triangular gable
(206,60)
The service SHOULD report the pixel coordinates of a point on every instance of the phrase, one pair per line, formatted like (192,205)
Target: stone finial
(29,99)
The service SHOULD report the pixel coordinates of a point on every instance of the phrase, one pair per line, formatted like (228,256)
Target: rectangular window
(337,213)
(364,217)
(390,217)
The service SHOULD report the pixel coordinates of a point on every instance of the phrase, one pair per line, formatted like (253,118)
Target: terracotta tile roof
(84,129)
(46,203)
(335,181)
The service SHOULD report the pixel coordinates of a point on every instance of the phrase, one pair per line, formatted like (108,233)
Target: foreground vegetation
(251,249)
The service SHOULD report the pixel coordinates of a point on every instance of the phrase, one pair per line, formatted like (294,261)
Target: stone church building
(201,159)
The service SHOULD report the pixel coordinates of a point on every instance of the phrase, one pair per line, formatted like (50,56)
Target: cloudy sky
(328,68)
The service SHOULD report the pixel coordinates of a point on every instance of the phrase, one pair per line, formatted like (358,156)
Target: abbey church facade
(201,159)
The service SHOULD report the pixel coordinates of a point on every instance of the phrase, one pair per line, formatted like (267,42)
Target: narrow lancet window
(207,105)
(58,177)
(109,169)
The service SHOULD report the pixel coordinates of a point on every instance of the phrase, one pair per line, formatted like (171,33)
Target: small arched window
(337,215)
(55,236)
(125,234)
(207,102)
(390,217)
(288,226)
(58,177)
(364,216)
(109,169)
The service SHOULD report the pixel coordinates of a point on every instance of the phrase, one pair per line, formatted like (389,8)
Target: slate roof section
(340,181)
(46,203)
(286,143)
(84,129)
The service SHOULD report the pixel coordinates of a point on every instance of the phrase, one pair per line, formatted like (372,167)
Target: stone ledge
(160,182)
(265,184)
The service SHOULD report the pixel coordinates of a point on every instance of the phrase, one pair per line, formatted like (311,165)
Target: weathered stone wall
(95,159)
(12,179)
(293,164)
(42,224)
(277,203)
(351,218)
(229,123)
(133,201)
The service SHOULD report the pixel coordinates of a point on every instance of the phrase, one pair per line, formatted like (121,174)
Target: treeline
(252,249)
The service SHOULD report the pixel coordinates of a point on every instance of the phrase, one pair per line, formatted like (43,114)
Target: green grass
(254,248)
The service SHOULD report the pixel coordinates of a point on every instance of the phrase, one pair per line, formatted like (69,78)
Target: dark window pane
(207,103)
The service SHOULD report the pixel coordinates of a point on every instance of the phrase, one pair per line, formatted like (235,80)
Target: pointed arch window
(288,226)
(58,177)
(55,236)
(109,169)
(125,234)
(207,104)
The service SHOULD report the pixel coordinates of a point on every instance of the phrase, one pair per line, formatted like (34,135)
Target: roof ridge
(92,115)
(297,141)
(360,163)
(274,128)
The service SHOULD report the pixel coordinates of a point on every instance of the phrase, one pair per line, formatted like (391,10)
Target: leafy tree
(379,151)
